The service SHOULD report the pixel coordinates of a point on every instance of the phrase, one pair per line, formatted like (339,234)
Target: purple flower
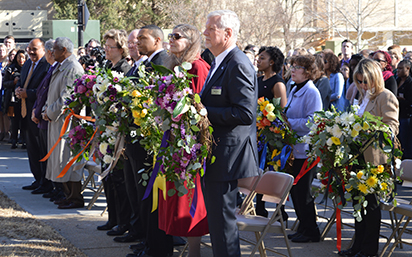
(116,79)
(111,97)
(162,87)
(81,89)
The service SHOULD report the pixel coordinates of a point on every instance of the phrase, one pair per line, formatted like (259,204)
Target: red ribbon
(338,228)
(305,170)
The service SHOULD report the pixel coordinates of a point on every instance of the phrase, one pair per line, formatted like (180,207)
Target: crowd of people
(229,81)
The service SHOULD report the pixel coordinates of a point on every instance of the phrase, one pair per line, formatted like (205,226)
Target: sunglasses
(175,36)
(362,82)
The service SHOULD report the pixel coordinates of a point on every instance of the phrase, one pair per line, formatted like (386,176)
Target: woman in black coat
(11,76)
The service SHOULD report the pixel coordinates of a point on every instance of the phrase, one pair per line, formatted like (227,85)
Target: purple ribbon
(194,200)
(164,144)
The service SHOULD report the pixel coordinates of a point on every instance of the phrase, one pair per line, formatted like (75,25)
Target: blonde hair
(372,75)
(192,52)
(120,37)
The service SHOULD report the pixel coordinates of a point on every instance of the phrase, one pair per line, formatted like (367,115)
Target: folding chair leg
(184,249)
(328,226)
(262,250)
(399,239)
(393,235)
(95,196)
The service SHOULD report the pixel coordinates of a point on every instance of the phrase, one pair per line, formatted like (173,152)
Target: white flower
(111,140)
(357,127)
(103,147)
(133,133)
(107,159)
(338,119)
(118,87)
(119,75)
(99,79)
(398,163)
(328,129)
(115,124)
(329,114)
(105,83)
(106,99)
(329,142)
(347,118)
(336,131)
(319,176)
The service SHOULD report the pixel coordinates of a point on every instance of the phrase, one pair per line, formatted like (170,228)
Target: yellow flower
(275,153)
(258,118)
(269,108)
(371,181)
(136,93)
(261,100)
(135,114)
(137,122)
(380,169)
(335,140)
(135,102)
(349,188)
(263,105)
(384,186)
(278,163)
(149,101)
(365,126)
(271,116)
(354,133)
(357,127)
(363,188)
(359,175)
(374,171)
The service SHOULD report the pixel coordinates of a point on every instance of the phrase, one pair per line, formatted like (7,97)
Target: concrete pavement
(79,225)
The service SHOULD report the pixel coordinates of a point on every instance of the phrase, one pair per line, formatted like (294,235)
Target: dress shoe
(305,239)
(347,253)
(41,190)
(127,238)
(23,146)
(290,236)
(361,254)
(51,193)
(59,196)
(106,226)
(71,206)
(61,201)
(13,146)
(33,186)
(117,230)
(138,247)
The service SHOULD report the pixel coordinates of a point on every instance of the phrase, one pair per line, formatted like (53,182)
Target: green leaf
(195,128)
(196,166)
(145,176)
(210,129)
(197,98)
(161,69)
(213,159)
(203,112)
(144,183)
(171,192)
(180,106)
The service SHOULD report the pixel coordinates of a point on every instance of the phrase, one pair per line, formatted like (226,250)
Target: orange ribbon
(67,167)
(64,128)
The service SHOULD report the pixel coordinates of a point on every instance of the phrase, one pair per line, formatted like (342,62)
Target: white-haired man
(65,73)
(230,97)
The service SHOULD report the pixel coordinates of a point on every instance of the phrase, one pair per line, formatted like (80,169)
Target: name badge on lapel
(216,90)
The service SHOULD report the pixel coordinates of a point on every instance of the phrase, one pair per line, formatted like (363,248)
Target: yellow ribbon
(160,183)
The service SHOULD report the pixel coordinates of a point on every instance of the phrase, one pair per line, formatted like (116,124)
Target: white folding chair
(275,187)
(93,169)
(247,186)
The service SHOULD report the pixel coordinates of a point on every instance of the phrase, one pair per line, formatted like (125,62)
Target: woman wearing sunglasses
(378,101)
(303,101)
(174,216)
(384,60)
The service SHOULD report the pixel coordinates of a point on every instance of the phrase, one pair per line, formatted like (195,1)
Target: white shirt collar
(142,59)
(219,59)
(153,54)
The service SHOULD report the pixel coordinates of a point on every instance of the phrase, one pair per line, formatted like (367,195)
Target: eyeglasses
(296,67)
(362,82)
(175,36)
(380,60)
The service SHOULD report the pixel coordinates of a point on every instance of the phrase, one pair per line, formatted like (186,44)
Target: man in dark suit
(131,164)
(230,97)
(158,244)
(32,73)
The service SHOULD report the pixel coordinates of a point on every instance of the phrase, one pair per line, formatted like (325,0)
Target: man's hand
(23,93)
(17,92)
(44,115)
(33,118)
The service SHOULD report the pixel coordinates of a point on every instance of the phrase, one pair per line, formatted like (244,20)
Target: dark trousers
(220,200)
(303,201)
(132,165)
(16,124)
(44,182)
(33,146)
(72,191)
(367,231)
(116,197)
(158,244)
